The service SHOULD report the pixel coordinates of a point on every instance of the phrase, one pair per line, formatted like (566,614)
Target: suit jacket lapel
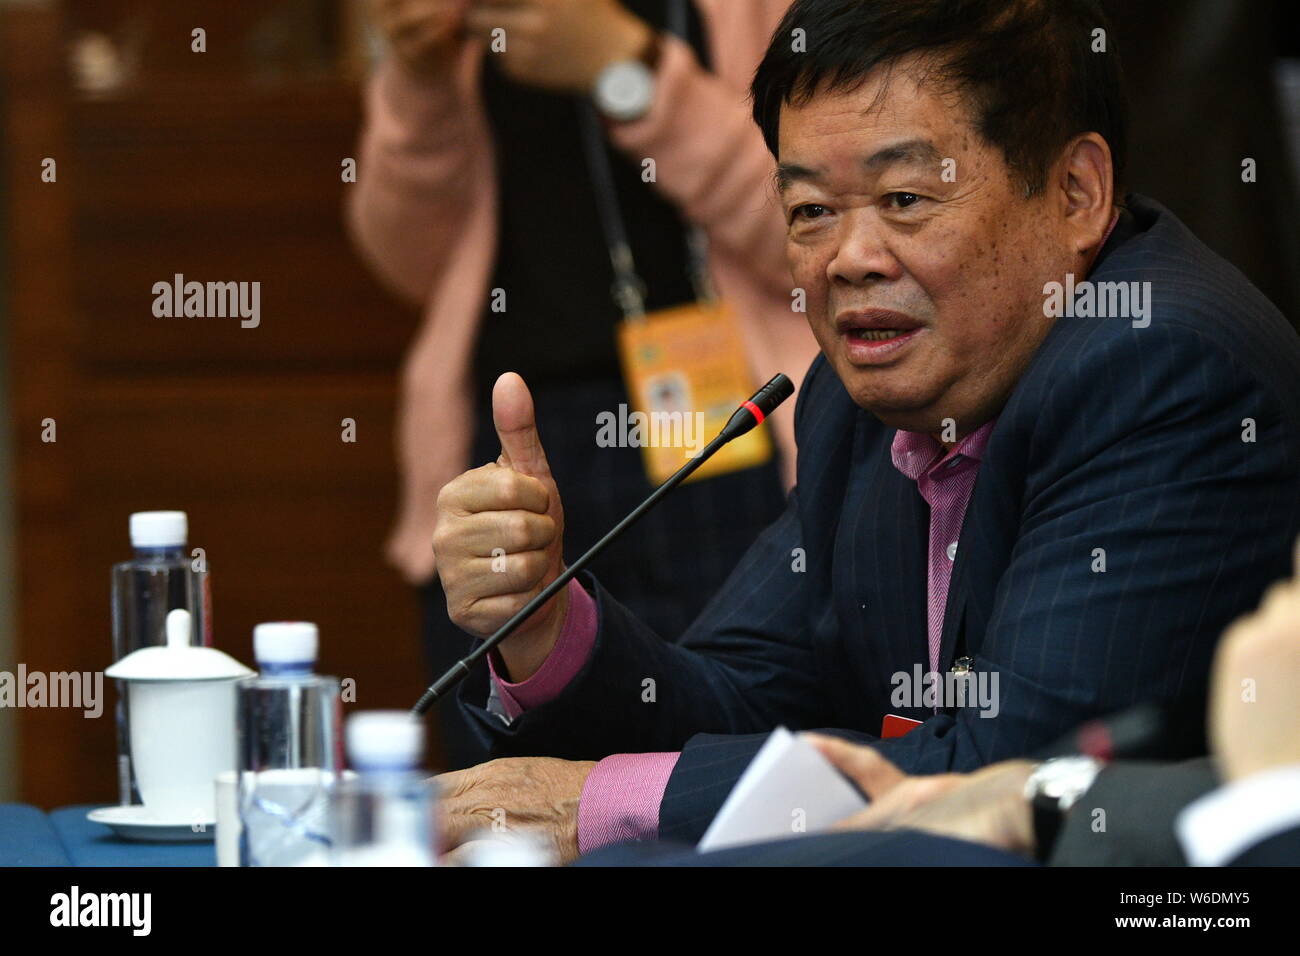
(967,610)
(886,521)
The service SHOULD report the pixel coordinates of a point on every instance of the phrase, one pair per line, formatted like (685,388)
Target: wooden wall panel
(41,346)
(207,169)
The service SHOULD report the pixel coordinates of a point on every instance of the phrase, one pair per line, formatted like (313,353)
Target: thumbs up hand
(500,535)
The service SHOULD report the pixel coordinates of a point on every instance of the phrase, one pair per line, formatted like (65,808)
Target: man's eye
(807,211)
(903,200)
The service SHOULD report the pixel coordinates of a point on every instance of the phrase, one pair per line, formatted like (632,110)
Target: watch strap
(1049,820)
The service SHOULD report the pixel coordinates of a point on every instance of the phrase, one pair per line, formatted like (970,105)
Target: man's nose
(863,254)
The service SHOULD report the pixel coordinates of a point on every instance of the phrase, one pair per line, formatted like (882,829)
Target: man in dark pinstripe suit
(1052,443)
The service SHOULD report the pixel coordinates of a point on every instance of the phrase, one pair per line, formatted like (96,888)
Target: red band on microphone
(1094,740)
(753,410)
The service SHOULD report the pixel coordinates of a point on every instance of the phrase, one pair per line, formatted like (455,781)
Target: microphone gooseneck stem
(745,418)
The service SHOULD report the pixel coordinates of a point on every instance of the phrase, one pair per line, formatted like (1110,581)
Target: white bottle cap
(517,849)
(159,529)
(384,738)
(285,642)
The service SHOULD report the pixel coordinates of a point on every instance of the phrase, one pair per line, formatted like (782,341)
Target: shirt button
(952,551)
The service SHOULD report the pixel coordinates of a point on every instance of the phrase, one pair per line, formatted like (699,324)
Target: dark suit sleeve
(1136,460)
(890,848)
(743,666)
(1282,849)
(706,771)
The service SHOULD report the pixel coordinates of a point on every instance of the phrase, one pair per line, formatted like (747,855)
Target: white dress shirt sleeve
(1223,824)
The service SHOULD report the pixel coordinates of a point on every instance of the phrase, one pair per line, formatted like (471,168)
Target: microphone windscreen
(773,393)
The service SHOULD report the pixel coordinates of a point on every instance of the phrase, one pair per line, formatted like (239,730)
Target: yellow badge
(685,372)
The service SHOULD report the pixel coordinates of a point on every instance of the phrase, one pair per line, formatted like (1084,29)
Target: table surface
(31,837)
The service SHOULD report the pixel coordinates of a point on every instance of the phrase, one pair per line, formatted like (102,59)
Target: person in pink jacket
(476,190)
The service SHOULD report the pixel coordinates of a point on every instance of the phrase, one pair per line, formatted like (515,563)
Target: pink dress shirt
(945,482)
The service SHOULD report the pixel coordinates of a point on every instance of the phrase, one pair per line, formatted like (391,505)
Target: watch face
(625,90)
(1065,779)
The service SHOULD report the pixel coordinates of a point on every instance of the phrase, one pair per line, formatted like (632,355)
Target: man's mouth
(873,336)
(873,324)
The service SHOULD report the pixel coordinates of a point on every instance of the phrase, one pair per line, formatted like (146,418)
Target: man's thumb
(862,764)
(512,413)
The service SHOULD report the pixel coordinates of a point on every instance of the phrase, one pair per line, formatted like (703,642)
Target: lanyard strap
(629,288)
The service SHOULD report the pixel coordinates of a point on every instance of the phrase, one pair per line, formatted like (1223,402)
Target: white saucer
(140,823)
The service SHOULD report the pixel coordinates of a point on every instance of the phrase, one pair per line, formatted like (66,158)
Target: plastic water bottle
(506,850)
(386,816)
(160,577)
(288,726)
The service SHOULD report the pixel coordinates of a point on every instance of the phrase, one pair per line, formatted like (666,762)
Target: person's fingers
(425,38)
(859,821)
(458,799)
(452,783)
(518,19)
(481,613)
(410,18)
(491,534)
(457,856)
(900,802)
(915,801)
(506,575)
(862,764)
(881,813)
(513,416)
(459,826)
(463,855)
(484,843)
(493,488)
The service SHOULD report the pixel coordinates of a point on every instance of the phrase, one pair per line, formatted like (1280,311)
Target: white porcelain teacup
(182,736)
(181,709)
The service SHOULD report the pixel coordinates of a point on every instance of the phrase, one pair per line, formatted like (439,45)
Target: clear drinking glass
(290,757)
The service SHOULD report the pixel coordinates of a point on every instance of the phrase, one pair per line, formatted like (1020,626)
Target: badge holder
(684,367)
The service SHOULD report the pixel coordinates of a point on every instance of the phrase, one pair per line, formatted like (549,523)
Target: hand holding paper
(789,789)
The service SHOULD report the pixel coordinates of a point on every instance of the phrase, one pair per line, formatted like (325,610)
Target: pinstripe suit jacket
(1119,441)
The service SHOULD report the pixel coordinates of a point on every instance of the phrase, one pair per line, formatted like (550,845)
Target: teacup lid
(178,660)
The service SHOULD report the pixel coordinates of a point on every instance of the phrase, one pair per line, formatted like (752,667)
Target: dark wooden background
(223,166)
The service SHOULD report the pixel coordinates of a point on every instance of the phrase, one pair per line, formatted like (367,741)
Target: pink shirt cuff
(568,657)
(620,800)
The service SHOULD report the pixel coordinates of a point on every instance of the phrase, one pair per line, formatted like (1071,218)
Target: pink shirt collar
(916,453)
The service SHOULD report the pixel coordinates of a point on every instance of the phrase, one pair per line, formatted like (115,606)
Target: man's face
(901,218)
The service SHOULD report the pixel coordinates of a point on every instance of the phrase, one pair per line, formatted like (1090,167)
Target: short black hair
(1026,67)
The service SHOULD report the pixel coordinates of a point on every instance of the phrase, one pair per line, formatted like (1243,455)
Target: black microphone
(750,414)
(1170,730)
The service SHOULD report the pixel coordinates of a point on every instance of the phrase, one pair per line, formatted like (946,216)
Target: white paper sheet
(789,789)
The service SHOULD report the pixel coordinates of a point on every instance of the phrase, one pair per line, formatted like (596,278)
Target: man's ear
(1087,191)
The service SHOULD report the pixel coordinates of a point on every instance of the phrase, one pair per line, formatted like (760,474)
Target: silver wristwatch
(624,90)
(1062,779)
(1051,790)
